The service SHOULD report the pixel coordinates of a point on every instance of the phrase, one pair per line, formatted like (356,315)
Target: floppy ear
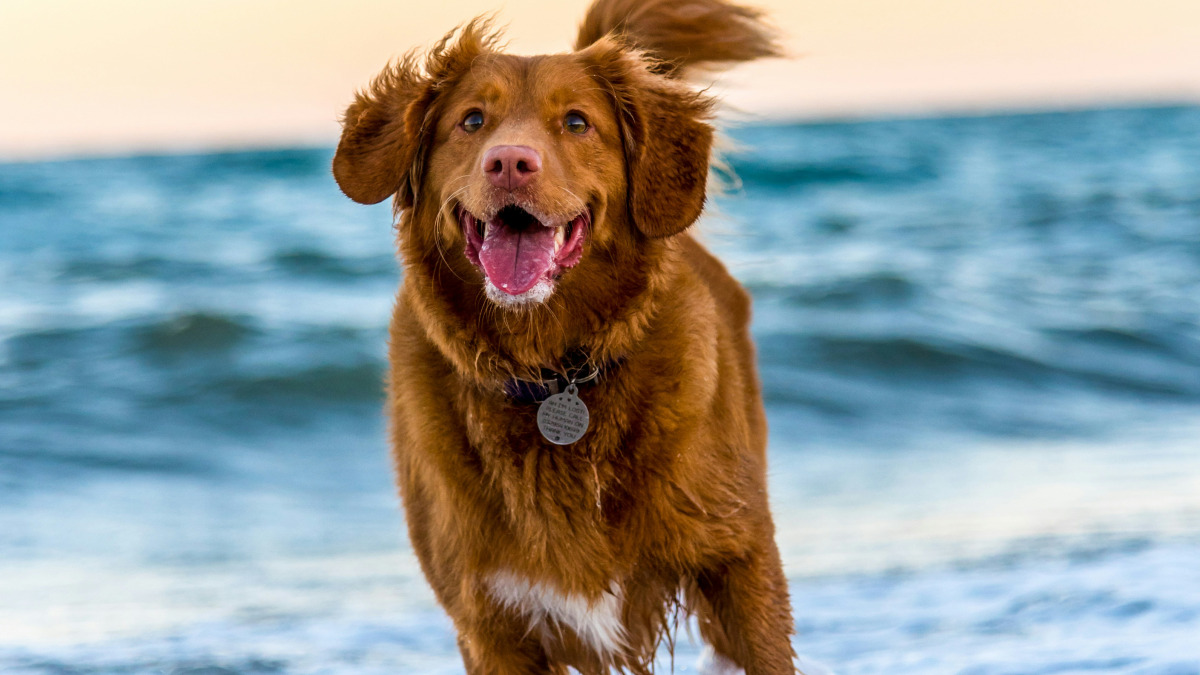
(665,135)
(386,130)
(381,133)
(666,154)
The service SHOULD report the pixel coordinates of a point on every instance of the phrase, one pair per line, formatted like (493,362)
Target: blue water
(980,348)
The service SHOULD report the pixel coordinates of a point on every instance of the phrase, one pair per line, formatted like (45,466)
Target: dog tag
(563,418)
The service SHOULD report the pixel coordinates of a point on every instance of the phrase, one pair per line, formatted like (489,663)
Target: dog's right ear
(387,129)
(381,134)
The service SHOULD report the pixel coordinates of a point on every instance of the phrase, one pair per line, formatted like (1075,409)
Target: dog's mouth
(516,250)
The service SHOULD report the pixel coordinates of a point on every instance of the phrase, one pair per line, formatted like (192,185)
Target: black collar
(552,382)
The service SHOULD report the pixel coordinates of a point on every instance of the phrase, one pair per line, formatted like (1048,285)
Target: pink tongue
(516,261)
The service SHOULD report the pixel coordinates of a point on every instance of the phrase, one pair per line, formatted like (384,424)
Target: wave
(1083,359)
(210,367)
(106,458)
(777,174)
(872,289)
(140,267)
(192,333)
(324,384)
(316,263)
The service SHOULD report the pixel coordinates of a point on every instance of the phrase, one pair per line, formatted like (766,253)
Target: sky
(86,77)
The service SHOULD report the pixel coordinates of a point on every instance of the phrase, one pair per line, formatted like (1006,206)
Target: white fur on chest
(597,623)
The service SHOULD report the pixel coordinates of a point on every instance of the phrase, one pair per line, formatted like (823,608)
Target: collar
(552,382)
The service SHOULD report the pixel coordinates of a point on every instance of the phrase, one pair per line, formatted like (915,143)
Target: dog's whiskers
(439,222)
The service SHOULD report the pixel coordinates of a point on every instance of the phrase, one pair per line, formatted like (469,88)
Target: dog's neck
(577,367)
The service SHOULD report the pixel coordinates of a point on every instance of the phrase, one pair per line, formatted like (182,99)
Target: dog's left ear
(668,157)
(665,134)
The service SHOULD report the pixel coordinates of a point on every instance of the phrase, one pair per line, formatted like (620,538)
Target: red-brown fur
(666,492)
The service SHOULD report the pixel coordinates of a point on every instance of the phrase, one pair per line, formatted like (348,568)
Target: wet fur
(665,495)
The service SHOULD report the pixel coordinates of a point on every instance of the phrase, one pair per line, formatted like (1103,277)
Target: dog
(576,419)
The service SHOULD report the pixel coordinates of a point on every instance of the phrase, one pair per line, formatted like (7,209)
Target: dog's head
(538,160)
(517,169)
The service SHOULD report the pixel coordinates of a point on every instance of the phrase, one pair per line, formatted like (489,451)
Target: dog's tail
(682,34)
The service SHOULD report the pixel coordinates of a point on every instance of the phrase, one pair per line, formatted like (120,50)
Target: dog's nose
(511,166)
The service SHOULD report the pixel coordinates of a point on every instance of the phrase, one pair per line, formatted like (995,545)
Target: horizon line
(728,119)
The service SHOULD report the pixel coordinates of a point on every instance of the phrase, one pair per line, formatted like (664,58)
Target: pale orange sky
(80,76)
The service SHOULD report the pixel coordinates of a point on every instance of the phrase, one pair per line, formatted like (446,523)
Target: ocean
(979,342)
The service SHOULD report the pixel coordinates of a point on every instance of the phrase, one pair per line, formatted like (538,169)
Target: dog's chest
(597,622)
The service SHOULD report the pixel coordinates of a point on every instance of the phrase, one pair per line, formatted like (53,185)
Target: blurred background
(972,230)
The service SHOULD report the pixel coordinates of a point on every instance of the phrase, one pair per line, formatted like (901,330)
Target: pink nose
(511,166)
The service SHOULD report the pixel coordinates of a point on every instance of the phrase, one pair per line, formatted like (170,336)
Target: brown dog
(543,203)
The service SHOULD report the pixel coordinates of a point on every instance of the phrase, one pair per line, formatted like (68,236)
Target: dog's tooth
(560,236)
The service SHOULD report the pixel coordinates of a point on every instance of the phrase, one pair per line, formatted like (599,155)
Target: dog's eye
(575,123)
(472,122)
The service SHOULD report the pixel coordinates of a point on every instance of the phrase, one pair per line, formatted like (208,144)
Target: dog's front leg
(502,645)
(748,619)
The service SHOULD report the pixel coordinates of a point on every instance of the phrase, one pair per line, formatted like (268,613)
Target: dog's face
(527,158)
(529,169)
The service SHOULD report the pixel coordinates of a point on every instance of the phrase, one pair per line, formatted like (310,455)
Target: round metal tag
(563,418)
